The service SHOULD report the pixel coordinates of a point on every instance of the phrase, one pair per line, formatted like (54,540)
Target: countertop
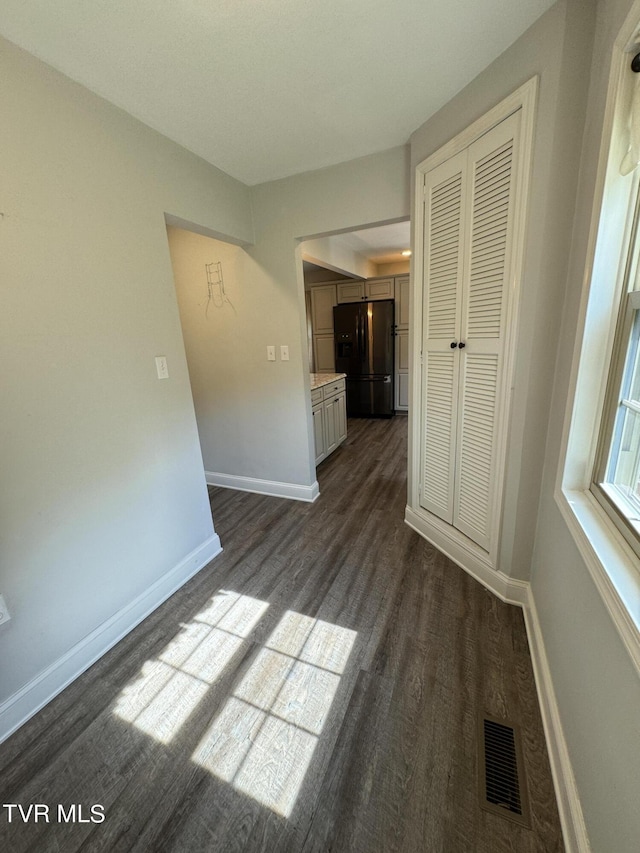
(320,379)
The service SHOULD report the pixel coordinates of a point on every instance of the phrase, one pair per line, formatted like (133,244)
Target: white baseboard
(571,817)
(293,491)
(518,592)
(16,710)
(507,589)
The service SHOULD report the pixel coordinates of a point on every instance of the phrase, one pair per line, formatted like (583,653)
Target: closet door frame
(451,541)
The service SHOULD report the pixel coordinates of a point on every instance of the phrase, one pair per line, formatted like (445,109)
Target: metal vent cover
(502,781)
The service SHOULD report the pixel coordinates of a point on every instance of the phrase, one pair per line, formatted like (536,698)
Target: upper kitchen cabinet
(323,298)
(402,301)
(350,291)
(402,343)
(379,288)
(371,289)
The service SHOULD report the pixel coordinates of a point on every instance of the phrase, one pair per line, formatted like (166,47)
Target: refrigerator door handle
(365,336)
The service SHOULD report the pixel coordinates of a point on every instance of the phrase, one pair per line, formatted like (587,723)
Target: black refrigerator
(364,347)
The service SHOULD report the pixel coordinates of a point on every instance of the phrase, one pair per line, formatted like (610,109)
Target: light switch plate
(4,613)
(162,367)
(271,353)
(284,353)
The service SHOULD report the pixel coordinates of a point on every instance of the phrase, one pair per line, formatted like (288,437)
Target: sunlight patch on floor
(263,740)
(264,737)
(170,687)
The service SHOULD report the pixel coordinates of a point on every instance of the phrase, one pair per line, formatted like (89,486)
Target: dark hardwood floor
(315,688)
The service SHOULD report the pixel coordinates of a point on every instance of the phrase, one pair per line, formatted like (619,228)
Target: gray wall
(265,429)
(103,489)
(236,391)
(103,480)
(595,682)
(596,685)
(329,252)
(547,49)
(367,191)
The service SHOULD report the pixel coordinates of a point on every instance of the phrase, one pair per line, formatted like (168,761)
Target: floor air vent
(503,788)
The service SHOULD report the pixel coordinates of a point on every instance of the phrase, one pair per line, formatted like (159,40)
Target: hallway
(317,687)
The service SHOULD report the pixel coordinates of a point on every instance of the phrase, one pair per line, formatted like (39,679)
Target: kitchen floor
(317,687)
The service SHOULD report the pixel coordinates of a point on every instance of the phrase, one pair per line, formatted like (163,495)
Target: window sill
(611,563)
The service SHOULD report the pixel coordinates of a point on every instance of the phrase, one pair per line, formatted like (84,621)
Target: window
(616,478)
(598,479)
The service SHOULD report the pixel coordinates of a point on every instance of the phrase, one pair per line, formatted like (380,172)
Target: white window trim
(612,563)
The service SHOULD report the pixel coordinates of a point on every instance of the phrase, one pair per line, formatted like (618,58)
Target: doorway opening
(361,265)
(357,320)
(208,274)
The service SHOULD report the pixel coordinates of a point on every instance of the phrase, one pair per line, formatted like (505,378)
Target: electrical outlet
(4,613)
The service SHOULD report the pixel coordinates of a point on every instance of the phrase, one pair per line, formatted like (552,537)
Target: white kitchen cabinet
(335,412)
(341,416)
(370,289)
(379,288)
(402,343)
(402,370)
(323,353)
(350,291)
(318,432)
(330,426)
(323,298)
(402,301)
(402,392)
(329,411)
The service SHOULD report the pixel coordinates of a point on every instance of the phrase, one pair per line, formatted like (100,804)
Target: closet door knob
(461,345)
(453,344)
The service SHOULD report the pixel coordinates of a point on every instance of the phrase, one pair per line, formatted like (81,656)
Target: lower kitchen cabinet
(329,411)
(318,433)
(402,370)
(335,421)
(324,353)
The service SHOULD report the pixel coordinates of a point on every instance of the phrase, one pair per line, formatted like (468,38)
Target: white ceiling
(268,88)
(382,245)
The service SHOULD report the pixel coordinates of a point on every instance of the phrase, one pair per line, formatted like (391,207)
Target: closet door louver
(484,302)
(444,237)
(473,389)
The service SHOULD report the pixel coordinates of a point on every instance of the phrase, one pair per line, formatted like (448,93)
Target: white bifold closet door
(468,214)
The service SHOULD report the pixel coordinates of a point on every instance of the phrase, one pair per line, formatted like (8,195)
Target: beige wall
(103,490)
(322,275)
(398,268)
